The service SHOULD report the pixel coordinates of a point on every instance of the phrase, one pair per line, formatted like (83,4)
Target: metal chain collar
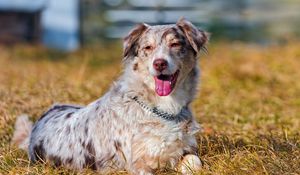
(184,113)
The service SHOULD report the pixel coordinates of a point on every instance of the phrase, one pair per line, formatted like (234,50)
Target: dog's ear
(131,39)
(196,37)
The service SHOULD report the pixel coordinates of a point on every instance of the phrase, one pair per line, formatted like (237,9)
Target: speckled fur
(114,132)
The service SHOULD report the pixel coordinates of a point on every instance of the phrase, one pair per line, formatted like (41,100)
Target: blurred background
(70,24)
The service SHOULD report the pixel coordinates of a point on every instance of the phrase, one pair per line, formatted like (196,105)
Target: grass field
(248,103)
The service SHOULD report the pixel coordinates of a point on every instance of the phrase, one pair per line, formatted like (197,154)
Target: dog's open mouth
(164,84)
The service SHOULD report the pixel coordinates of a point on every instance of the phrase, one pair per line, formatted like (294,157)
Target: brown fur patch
(118,147)
(131,39)
(56,160)
(135,66)
(90,162)
(196,37)
(185,126)
(69,160)
(90,157)
(69,115)
(172,30)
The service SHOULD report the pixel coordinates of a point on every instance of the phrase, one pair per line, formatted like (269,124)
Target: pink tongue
(162,88)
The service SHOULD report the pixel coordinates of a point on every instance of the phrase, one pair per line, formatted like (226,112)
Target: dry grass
(249,103)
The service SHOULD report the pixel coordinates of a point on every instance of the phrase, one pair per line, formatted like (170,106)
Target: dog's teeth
(170,82)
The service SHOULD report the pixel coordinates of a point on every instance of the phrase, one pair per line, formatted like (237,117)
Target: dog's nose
(160,64)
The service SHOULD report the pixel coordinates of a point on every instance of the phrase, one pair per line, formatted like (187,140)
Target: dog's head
(163,55)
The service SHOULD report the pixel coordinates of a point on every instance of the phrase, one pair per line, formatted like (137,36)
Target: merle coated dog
(142,123)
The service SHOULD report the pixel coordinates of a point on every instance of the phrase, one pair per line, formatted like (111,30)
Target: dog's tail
(22,132)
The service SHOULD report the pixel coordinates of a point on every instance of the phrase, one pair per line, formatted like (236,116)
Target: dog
(143,123)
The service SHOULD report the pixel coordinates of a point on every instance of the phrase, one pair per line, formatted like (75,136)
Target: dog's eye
(174,45)
(148,48)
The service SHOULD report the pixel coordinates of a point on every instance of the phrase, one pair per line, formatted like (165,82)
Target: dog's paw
(190,164)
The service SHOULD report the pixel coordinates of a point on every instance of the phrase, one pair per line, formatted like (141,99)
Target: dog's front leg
(140,168)
(190,164)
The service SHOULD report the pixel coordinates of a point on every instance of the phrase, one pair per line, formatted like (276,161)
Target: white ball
(190,164)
